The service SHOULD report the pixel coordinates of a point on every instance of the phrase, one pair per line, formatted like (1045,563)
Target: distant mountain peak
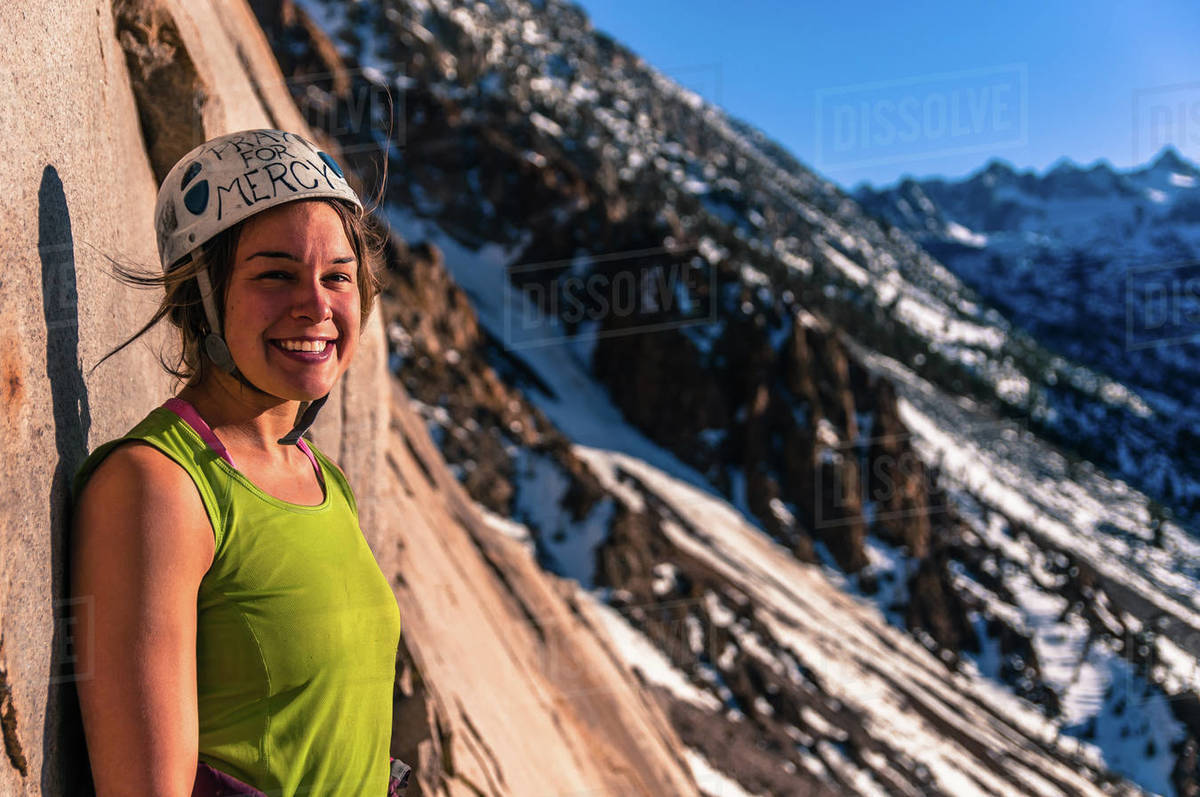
(1169,160)
(1101,173)
(998,198)
(1064,165)
(996,166)
(995,172)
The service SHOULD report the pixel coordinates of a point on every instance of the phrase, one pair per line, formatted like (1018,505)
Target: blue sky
(873,91)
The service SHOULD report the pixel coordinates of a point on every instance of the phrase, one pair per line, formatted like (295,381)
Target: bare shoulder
(141,545)
(139,498)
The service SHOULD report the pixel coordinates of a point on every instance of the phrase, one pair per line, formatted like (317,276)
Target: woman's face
(294,285)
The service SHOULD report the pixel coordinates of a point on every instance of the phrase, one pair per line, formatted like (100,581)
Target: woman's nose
(311,300)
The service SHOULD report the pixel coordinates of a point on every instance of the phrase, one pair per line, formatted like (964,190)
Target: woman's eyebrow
(290,256)
(283,255)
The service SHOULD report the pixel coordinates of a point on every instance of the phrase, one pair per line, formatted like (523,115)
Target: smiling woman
(240,630)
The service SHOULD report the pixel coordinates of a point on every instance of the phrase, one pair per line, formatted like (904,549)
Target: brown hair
(182,305)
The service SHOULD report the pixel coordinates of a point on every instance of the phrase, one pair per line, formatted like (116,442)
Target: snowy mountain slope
(1072,554)
(535,148)
(1094,682)
(1098,265)
(824,687)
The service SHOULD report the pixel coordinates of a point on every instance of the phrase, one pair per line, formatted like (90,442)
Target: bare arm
(141,543)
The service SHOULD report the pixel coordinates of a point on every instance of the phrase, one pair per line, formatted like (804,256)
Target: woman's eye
(286,275)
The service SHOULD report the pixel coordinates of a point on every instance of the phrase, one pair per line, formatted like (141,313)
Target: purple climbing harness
(212,782)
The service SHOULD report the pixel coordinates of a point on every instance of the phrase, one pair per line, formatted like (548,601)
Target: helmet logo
(191,172)
(196,199)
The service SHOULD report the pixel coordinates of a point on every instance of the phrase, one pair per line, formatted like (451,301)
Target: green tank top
(297,628)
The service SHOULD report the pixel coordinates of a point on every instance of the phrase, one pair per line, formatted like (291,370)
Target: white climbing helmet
(232,177)
(225,181)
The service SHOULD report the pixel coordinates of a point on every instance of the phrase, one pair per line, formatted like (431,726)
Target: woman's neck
(244,419)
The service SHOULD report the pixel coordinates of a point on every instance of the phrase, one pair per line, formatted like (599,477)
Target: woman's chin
(312,383)
(309,390)
(308,393)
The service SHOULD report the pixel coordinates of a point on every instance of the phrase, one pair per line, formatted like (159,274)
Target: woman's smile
(306,350)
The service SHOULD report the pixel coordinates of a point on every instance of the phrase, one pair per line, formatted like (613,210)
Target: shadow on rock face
(65,768)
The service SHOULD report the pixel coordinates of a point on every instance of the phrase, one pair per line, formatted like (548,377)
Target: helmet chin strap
(304,421)
(218,352)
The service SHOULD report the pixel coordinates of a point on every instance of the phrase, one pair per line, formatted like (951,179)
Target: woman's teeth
(302,345)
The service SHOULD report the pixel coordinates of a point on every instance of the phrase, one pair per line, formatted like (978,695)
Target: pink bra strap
(186,411)
(311,458)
